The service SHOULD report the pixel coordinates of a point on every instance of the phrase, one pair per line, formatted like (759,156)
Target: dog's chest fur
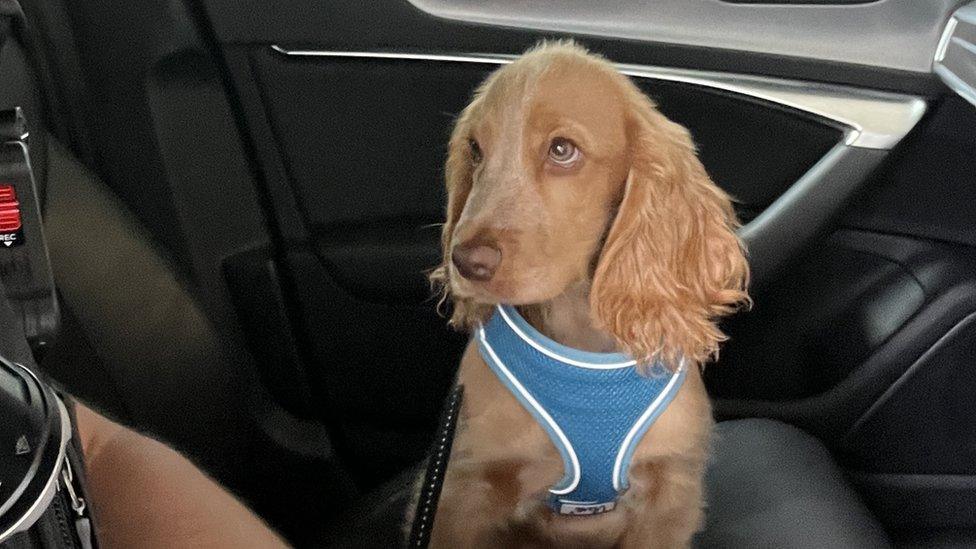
(504,457)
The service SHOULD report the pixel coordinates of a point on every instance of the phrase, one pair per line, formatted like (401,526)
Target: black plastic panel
(930,188)
(379,372)
(838,330)
(911,504)
(364,140)
(260,303)
(804,343)
(926,422)
(381,260)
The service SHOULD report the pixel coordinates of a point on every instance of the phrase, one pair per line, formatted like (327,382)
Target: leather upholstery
(769,485)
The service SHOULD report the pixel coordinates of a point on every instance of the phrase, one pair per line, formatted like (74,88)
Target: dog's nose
(476,262)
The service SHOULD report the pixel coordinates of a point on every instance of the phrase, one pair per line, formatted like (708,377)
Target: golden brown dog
(573,198)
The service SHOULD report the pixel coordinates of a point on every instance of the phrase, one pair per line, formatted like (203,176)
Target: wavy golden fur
(571,197)
(671,264)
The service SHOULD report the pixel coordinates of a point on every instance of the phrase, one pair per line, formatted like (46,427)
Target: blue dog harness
(595,407)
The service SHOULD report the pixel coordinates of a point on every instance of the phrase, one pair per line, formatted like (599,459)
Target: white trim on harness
(551,354)
(629,439)
(540,410)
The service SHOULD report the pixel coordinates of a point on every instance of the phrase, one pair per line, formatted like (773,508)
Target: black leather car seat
(769,485)
(772,485)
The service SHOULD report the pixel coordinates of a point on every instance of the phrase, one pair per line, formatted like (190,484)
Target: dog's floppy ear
(672,263)
(457,176)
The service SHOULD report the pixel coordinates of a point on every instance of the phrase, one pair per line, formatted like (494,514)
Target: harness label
(585,508)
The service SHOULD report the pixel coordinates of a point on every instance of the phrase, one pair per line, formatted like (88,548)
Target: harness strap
(595,407)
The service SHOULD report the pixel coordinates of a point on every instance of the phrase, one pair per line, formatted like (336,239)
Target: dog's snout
(476,261)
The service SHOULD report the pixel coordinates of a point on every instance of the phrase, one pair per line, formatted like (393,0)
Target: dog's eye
(563,152)
(475,151)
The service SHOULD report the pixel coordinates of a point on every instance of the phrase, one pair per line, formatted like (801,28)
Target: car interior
(241,202)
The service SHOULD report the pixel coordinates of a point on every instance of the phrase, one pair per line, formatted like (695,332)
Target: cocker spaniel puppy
(590,255)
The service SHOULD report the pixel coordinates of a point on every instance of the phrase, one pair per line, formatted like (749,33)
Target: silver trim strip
(955,58)
(894,34)
(871,119)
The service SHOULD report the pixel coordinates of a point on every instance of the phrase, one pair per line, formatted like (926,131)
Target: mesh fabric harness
(595,407)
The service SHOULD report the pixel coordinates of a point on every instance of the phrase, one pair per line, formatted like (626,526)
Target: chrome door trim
(870,119)
(955,58)
(893,34)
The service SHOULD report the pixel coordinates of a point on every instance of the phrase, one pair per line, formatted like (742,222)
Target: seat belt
(440,454)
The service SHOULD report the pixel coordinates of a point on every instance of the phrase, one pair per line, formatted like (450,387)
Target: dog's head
(561,170)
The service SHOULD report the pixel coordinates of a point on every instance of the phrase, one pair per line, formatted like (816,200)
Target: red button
(9,209)
(7,194)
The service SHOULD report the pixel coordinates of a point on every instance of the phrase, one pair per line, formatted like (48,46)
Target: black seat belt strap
(430,490)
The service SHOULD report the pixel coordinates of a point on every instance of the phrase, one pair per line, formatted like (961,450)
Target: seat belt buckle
(25,267)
